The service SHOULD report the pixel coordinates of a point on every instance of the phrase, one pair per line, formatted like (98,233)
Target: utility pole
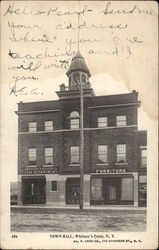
(81,133)
(81,146)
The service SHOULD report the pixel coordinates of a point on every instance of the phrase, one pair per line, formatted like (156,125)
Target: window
(48,125)
(74,120)
(32,156)
(32,126)
(102,122)
(74,154)
(121,120)
(121,153)
(49,156)
(102,153)
(54,186)
(76,77)
(127,189)
(142,190)
(143,156)
(83,78)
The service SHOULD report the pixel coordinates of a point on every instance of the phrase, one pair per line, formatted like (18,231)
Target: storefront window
(127,189)
(96,189)
(142,190)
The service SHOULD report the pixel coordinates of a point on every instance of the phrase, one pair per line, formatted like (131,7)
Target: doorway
(111,188)
(72,191)
(34,190)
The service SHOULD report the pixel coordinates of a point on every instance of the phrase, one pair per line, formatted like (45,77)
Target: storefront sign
(110,170)
(40,170)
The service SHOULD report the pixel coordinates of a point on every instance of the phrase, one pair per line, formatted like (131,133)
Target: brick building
(114,148)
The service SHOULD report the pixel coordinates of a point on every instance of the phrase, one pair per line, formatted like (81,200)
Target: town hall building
(115,160)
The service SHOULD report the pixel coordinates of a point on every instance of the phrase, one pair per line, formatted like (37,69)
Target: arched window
(74,114)
(74,120)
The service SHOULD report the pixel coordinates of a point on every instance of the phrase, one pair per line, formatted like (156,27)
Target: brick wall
(62,140)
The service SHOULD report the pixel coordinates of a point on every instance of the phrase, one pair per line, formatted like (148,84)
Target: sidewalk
(68,207)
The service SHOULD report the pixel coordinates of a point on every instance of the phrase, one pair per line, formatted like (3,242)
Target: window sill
(102,164)
(53,191)
(74,165)
(31,166)
(121,163)
(45,166)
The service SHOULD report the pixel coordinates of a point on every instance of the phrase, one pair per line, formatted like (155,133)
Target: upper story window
(102,122)
(48,125)
(74,120)
(74,154)
(121,120)
(32,156)
(102,153)
(49,156)
(32,126)
(143,151)
(121,153)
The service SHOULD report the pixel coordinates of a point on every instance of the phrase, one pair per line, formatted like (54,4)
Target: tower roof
(78,63)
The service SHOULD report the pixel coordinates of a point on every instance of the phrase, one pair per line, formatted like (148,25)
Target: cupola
(78,73)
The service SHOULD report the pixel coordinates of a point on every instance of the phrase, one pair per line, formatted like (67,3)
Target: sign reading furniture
(111,170)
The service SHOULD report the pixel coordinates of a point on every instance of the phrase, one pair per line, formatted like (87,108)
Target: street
(73,220)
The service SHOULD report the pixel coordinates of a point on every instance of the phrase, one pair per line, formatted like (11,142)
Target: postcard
(79,119)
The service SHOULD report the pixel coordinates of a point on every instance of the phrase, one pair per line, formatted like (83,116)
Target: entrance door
(72,190)
(34,190)
(111,190)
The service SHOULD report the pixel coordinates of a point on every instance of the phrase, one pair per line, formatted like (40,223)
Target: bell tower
(78,73)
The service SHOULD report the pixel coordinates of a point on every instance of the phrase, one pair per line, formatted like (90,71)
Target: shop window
(48,125)
(32,126)
(49,156)
(74,120)
(143,151)
(74,154)
(54,186)
(102,153)
(142,190)
(96,189)
(121,120)
(102,122)
(32,156)
(127,189)
(121,153)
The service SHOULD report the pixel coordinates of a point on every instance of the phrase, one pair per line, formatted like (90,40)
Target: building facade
(49,147)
